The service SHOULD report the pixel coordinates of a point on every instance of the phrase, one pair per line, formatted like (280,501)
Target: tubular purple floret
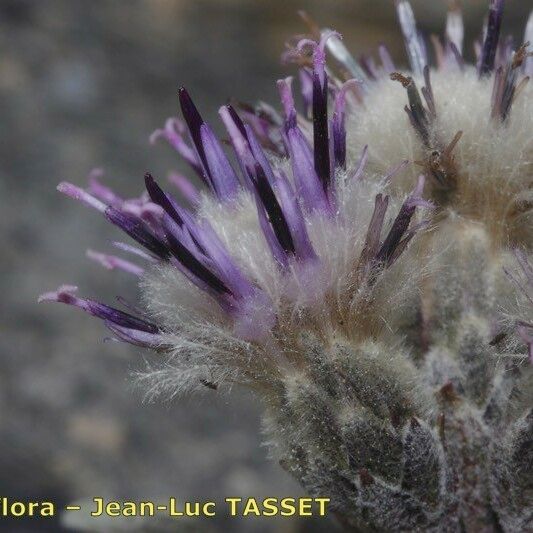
(258,154)
(180,217)
(287,101)
(143,339)
(280,255)
(340,98)
(67,294)
(492,37)
(136,208)
(217,170)
(373,234)
(338,129)
(272,216)
(308,184)
(112,262)
(319,52)
(223,178)
(194,121)
(185,187)
(138,230)
(265,123)
(358,173)
(238,137)
(161,198)
(77,193)
(388,251)
(321,141)
(101,191)
(235,129)
(282,221)
(135,251)
(172,133)
(306,89)
(126,327)
(247,148)
(295,219)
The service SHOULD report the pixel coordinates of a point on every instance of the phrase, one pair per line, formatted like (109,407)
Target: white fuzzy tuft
(494,160)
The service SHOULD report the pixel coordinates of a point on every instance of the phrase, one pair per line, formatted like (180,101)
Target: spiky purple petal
(136,337)
(338,130)
(77,193)
(186,188)
(138,231)
(306,88)
(101,191)
(67,294)
(320,112)
(393,240)
(247,148)
(269,204)
(307,181)
(134,251)
(295,219)
(223,177)
(112,262)
(492,37)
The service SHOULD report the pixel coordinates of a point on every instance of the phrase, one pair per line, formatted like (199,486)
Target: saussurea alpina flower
(364,264)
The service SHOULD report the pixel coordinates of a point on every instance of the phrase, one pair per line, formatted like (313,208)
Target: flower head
(345,261)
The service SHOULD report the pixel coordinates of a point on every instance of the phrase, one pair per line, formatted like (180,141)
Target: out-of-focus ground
(82,84)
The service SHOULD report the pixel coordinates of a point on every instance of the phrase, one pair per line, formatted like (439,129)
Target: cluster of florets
(298,188)
(367,269)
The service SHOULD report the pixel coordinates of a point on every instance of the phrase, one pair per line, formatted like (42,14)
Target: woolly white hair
(495,161)
(321,299)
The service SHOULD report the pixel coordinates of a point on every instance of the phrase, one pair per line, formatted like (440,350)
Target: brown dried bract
(404,80)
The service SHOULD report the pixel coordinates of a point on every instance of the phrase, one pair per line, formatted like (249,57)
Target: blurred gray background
(82,84)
